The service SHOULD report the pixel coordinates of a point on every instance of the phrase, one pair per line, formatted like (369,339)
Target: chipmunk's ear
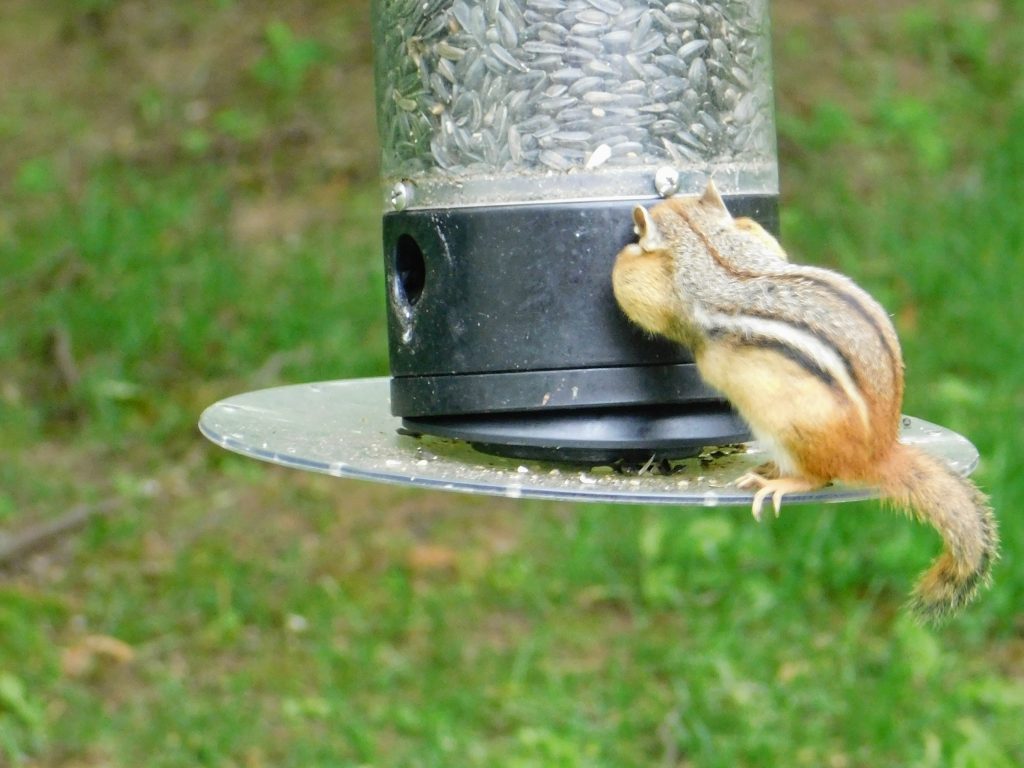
(712,199)
(644,226)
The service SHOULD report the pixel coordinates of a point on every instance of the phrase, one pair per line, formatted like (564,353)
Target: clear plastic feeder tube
(501,101)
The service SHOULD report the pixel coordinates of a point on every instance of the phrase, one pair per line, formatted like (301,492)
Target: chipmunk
(814,366)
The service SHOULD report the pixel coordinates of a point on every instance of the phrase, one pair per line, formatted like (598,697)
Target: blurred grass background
(188,209)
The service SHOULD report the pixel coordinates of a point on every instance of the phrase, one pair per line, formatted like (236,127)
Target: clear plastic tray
(345,429)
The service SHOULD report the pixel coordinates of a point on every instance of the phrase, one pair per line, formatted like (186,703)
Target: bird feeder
(516,137)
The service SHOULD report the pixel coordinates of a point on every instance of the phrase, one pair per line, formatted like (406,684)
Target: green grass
(215,229)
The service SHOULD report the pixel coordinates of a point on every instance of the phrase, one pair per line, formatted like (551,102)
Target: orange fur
(914,481)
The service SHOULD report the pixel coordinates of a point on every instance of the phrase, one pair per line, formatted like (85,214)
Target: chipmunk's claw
(774,488)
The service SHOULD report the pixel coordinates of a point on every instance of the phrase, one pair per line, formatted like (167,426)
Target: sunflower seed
(572,137)
(582,42)
(600,97)
(629,16)
(515,146)
(598,157)
(553,105)
(620,39)
(506,58)
(554,160)
(588,30)
(692,48)
(507,33)
(567,76)
(682,10)
(546,5)
(540,46)
(611,7)
(593,16)
(649,44)
(697,74)
(599,68)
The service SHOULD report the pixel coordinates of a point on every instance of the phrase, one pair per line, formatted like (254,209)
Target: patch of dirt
(157,84)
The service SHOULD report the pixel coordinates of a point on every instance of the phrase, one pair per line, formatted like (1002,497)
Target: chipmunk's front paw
(774,488)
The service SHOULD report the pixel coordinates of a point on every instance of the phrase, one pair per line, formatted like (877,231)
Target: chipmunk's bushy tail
(960,513)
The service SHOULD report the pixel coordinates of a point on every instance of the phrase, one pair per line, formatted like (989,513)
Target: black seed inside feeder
(517,135)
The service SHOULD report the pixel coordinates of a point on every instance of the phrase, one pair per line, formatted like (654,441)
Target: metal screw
(666,180)
(401,195)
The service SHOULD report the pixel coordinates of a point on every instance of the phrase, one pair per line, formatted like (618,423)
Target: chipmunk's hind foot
(773,488)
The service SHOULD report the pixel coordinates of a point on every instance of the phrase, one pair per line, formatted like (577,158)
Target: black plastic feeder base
(595,437)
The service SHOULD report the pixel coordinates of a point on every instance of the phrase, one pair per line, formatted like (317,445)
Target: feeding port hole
(410,270)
